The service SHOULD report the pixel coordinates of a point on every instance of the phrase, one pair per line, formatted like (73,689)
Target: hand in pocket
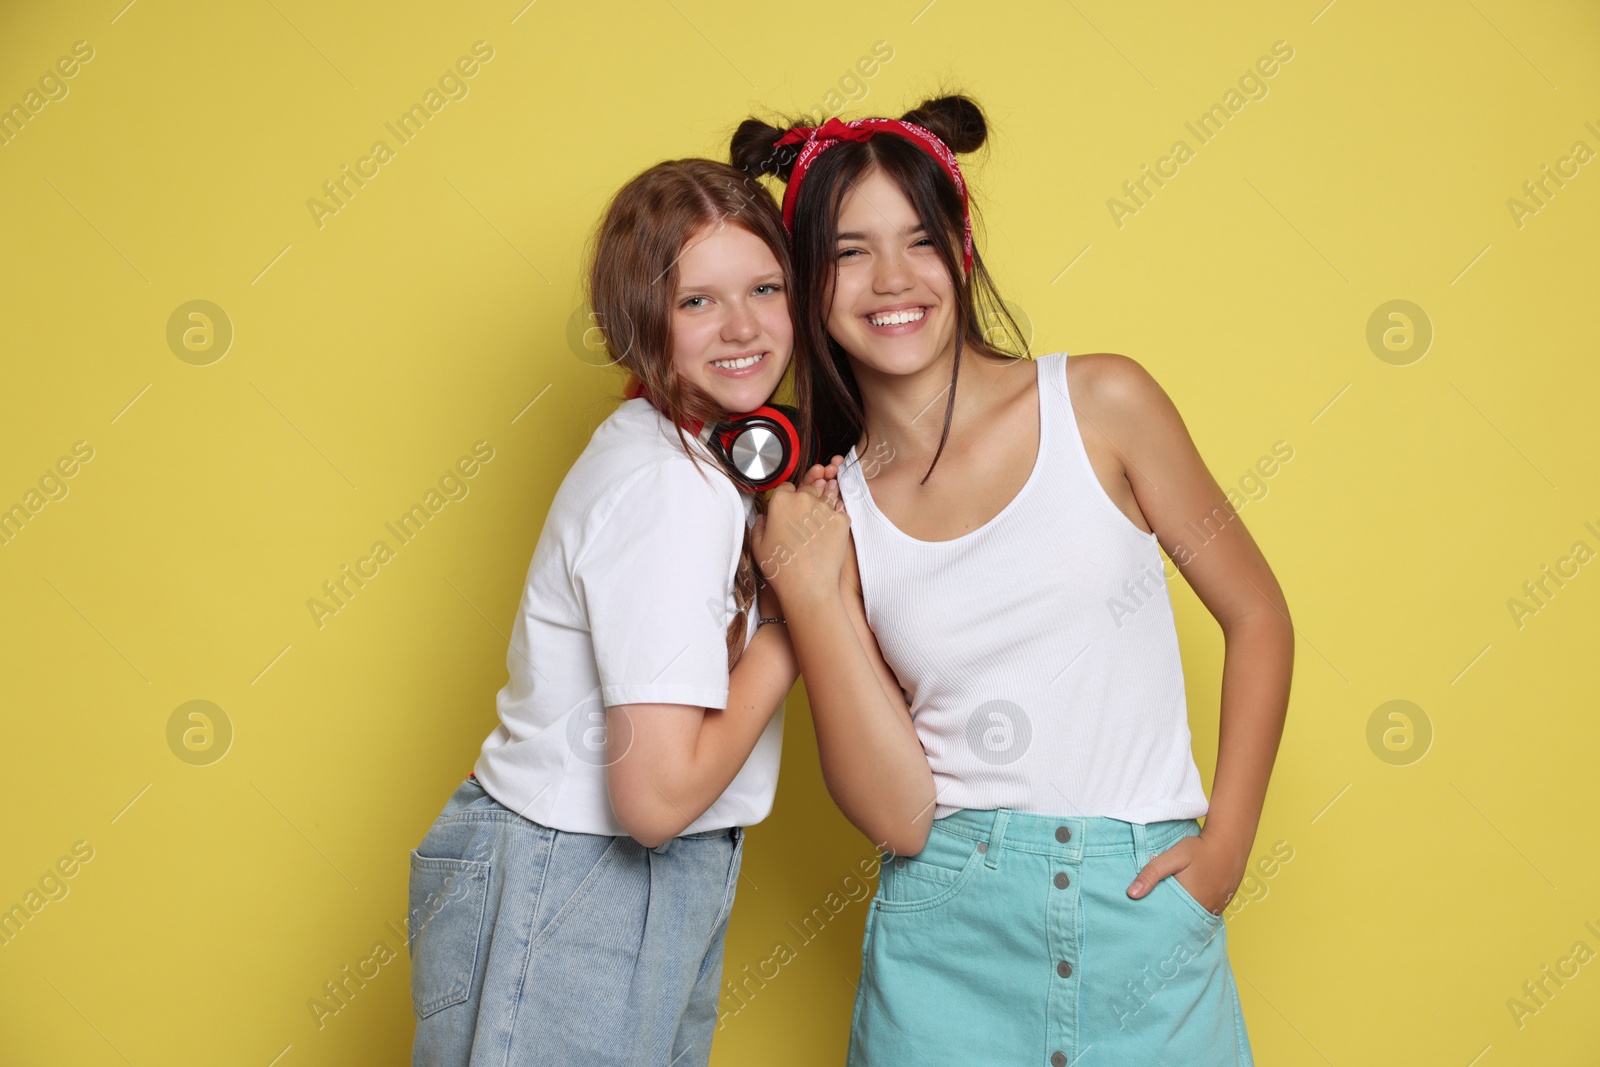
(1210,877)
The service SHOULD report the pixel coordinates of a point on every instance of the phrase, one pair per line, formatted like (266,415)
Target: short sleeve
(655,580)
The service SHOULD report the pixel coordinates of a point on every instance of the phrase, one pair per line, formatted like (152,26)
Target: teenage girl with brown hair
(569,904)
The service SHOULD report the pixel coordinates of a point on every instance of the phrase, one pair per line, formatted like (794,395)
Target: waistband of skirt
(1085,835)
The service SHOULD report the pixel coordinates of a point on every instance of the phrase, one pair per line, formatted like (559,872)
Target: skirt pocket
(932,877)
(1189,900)
(447,905)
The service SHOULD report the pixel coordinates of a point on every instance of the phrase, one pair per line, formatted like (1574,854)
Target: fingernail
(1138,887)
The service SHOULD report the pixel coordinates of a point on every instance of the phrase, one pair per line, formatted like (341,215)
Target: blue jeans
(1010,938)
(537,947)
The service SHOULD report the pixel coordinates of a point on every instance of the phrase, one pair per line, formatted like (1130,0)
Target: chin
(895,360)
(898,356)
(737,399)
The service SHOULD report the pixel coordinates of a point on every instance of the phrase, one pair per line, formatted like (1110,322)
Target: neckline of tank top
(1011,505)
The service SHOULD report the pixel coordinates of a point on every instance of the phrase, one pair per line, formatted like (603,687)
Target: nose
(893,273)
(741,325)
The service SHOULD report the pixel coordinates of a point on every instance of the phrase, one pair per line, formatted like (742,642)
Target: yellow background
(369,353)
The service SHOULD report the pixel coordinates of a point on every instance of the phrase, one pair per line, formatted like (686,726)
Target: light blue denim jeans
(537,947)
(1010,939)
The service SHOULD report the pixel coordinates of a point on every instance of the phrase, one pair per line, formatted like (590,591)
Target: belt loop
(1141,846)
(997,838)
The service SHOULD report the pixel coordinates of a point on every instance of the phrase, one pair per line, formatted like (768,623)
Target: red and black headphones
(759,449)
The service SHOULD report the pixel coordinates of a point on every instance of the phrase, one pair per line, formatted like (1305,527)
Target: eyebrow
(760,279)
(857,235)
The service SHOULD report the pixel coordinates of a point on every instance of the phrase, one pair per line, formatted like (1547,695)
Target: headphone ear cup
(805,444)
(760,449)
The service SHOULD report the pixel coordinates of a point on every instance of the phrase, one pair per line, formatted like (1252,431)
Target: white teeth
(895,318)
(735,364)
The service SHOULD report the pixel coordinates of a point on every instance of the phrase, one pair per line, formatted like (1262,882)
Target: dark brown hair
(633,276)
(957,121)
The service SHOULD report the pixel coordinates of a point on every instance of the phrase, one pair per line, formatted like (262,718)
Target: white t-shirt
(627,601)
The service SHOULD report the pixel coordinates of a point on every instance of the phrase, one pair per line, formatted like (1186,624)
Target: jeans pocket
(447,906)
(1188,898)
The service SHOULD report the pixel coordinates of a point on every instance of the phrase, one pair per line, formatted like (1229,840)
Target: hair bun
(753,150)
(957,121)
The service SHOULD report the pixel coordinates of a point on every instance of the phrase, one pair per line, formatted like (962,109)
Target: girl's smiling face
(731,331)
(891,305)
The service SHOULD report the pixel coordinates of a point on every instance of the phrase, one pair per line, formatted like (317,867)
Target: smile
(896,318)
(739,363)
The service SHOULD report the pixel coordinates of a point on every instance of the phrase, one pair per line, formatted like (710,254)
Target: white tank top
(1038,652)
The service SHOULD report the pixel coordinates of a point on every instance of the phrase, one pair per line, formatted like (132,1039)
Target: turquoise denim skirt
(1010,939)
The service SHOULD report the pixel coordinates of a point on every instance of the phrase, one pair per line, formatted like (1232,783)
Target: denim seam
(943,877)
(706,835)
(996,840)
(446,861)
(1011,843)
(503,815)
(574,903)
(533,940)
(733,882)
(1080,917)
(866,962)
(1141,846)
(1241,1040)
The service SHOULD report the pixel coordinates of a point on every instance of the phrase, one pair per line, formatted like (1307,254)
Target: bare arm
(668,763)
(1177,495)
(872,760)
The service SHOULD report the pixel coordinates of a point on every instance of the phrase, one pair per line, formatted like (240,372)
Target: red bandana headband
(817,139)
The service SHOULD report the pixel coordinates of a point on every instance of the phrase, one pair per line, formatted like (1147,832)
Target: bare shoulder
(1108,381)
(1116,392)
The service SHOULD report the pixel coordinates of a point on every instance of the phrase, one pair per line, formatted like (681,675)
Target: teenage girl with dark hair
(1020,748)
(569,904)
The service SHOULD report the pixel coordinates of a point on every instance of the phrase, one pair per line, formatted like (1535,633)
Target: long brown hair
(959,122)
(633,274)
